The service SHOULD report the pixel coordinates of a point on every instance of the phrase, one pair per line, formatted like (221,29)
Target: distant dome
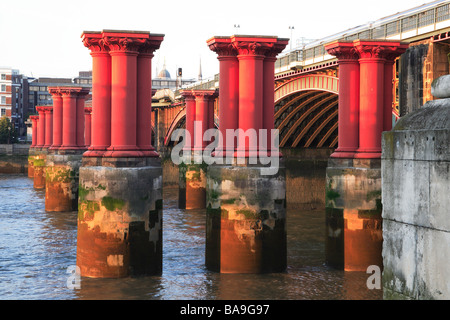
(164,74)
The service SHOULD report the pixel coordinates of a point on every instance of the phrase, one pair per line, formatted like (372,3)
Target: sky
(42,38)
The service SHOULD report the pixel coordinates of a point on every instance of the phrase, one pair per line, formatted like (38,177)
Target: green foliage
(7,133)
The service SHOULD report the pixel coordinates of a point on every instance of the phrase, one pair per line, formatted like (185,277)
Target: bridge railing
(406,25)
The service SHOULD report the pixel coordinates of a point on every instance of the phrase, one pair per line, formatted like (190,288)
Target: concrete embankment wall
(14,158)
(416,202)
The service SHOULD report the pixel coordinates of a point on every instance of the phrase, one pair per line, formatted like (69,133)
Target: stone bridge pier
(246,186)
(120,190)
(192,172)
(33,151)
(353,179)
(65,152)
(40,150)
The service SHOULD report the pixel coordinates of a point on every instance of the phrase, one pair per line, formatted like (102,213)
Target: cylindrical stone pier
(120,191)
(246,205)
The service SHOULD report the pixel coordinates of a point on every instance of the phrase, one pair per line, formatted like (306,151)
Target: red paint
(190,117)
(349,81)
(80,120)
(41,127)
(121,122)
(247,85)
(365,94)
(228,89)
(57,117)
(48,112)
(87,127)
(203,100)
(34,128)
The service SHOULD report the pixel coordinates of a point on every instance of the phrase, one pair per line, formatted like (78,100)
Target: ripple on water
(37,248)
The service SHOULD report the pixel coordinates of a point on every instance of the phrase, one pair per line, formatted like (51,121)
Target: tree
(7,133)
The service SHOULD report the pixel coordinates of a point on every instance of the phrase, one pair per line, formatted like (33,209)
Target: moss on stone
(39,162)
(112,204)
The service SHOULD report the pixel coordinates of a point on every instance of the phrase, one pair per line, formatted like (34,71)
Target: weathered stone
(353,214)
(61,182)
(120,220)
(39,169)
(246,219)
(192,186)
(440,87)
(416,188)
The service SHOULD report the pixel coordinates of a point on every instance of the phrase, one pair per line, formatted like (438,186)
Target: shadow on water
(38,247)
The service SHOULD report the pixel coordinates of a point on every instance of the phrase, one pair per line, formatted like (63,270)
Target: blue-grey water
(37,249)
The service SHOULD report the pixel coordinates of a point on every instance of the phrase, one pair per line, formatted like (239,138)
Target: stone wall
(14,149)
(415,196)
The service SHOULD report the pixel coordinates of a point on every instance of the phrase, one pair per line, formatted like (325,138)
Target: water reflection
(37,248)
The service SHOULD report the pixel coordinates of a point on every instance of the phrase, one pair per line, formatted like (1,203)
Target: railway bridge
(342,93)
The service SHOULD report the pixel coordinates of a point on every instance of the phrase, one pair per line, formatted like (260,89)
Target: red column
(202,115)
(124,51)
(101,94)
(228,89)
(211,104)
(349,93)
(57,117)
(81,98)
(87,127)
(41,127)
(269,88)
(251,55)
(48,111)
(144,95)
(373,112)
(34,128)
(69,140)
(190,117)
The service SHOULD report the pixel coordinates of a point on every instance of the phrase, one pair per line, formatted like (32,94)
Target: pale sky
(41,38)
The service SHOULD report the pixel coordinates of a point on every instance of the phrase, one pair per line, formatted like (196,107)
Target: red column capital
(253,45)
(373,49)
(342,50)
(223,46)
(94,42)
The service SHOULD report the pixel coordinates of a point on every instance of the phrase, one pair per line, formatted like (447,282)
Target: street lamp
(291,28)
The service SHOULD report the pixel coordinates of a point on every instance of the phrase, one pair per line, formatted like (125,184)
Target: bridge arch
(306,111)
(319,82)
(177,123)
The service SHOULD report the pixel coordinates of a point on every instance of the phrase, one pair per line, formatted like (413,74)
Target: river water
(38,250)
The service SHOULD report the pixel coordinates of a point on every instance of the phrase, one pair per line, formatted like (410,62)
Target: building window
(3,100)
(3,76)
(3,87)
(3,112)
